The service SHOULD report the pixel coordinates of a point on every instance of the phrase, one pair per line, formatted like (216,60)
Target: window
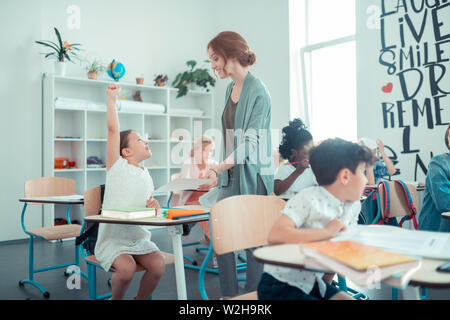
(326,68)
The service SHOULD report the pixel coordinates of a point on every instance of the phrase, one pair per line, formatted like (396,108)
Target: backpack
(371,210)
(89,237)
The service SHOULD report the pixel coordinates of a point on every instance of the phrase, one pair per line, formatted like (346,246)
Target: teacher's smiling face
(218,64)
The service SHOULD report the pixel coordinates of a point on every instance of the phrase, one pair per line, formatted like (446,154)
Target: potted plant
(93,68)
(199,77)
(160,80)
(61,50)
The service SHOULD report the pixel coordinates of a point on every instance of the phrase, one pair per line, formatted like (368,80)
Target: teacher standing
(248,164)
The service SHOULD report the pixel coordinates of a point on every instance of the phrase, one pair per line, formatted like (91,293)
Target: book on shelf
(363,264)
(129,212)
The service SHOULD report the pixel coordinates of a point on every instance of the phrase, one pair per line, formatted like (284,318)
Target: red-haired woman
(248,164)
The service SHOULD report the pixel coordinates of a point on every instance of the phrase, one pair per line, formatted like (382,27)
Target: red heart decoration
(387,88)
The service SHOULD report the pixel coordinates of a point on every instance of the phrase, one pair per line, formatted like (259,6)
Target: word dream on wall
(415,53)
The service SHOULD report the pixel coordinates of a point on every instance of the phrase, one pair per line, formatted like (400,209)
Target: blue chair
(92,206)
(47,187)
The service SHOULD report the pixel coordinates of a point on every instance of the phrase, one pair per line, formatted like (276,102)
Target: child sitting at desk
(318,213)
(198,166)
(295,175)
(127,184)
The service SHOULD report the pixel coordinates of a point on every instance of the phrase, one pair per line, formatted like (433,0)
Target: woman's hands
(212,174)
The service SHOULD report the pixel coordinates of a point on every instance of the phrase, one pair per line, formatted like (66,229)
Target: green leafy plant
(62,49)
(94,66)
(200,77)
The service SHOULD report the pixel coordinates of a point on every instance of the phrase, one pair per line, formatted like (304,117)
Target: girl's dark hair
(446,137)
(295,136)
(124,140)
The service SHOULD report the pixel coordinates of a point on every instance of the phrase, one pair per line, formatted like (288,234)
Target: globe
(115,70)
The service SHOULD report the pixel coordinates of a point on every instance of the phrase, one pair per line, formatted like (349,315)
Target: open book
(364,265)
(128,212)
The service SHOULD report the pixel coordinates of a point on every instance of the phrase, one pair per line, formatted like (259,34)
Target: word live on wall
(415,53)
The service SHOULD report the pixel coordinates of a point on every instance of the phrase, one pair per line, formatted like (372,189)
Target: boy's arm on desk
(284,231)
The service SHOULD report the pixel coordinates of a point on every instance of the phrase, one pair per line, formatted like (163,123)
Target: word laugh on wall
(418,65)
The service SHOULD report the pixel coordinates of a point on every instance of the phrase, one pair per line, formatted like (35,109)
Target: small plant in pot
(199,77)
(61,50)
(94,68)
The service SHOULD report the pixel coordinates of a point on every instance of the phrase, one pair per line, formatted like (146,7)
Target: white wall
(373,75)
(148,36)
(20,119)
(265,26)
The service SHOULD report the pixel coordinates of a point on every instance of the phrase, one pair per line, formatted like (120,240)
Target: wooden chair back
(92,201)
(398,202)
(242,222)
(49,186)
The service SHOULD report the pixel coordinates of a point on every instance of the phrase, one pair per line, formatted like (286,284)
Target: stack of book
(364,265)
(129,212)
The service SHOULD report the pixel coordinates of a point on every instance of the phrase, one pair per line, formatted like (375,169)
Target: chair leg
(31,271)
(394,294)
(342,284)
(92,281)
(424,293)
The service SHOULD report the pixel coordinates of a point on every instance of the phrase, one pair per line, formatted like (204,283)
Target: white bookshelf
(78,133)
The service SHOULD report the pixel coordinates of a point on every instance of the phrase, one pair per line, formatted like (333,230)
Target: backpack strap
(411,207)
(93,229)
(89,232)
(387,202)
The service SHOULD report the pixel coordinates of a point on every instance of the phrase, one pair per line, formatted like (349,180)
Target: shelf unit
(80,132)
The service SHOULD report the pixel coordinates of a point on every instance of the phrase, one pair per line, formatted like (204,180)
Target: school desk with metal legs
(51,233)
(289,255)
(175,231)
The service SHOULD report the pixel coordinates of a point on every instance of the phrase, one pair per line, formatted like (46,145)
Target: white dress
(305,180)
(126,185)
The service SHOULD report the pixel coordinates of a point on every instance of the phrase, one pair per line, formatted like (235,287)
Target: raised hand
(113,90)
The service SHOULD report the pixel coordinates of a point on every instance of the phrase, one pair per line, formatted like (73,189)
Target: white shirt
(305,180)
(313,207)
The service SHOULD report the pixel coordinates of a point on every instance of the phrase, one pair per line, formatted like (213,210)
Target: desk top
(153,221)
(52,200)
(289,255)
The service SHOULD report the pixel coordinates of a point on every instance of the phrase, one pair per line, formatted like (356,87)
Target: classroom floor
(14,266)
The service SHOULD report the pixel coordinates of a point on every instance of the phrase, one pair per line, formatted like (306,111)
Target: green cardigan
(253,152)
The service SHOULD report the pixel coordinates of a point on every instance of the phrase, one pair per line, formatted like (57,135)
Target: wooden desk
(289,255)
(52,200)
(175,231)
